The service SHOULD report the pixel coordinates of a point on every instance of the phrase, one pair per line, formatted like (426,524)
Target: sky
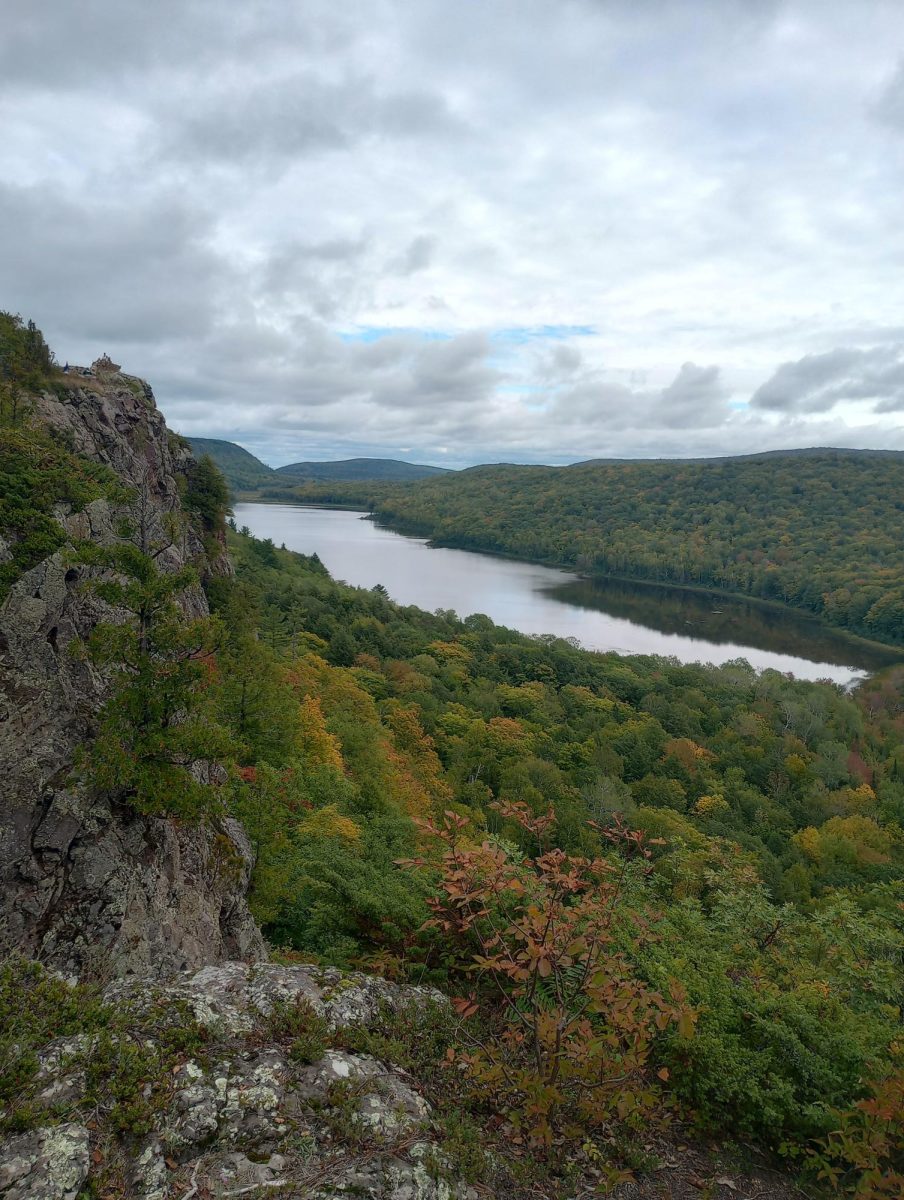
(461,231)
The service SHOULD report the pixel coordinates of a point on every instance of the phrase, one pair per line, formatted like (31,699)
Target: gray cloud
(418,255)
(277,121)
(819,382)
(890,106)
(695,397)
(108,271)
(98,43)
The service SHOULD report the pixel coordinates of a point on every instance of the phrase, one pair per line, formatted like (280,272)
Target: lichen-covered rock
(87,887)
(391,1108)
(237,1108)
(45,1164)
(336,1067)
(232,997)
(391,1178)
(149,1174)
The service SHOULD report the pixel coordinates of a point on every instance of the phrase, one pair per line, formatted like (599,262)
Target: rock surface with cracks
(85,885)
(242,1116)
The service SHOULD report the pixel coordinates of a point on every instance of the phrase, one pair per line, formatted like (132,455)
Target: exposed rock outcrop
(45,1164)
(86,886)
(245,1111)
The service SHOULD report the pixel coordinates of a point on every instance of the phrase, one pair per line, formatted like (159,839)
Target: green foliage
(415,1034)
(207,495)
(159,730)
(26,365)
(818,531)
(35,1008)
(343,719)
(36,474)
(241,470)
(792,960)
(256,703)
(296,1023)
(864,1155)
(127,1053)
(794,1008)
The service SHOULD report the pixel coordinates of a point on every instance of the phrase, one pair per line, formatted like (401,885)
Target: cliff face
(85,886)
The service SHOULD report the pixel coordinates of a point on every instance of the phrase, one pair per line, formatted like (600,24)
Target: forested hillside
(244,472)
(820,531)
(241,470)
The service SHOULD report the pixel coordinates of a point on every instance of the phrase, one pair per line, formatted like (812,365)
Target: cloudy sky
(462,231)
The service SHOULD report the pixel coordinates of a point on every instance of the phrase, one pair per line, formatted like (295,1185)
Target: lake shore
(625,617)
(883,654)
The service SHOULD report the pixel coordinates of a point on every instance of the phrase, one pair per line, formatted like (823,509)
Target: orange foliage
(687,753)
(573,1026)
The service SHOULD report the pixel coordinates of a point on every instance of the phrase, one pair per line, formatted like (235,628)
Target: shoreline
(658,585)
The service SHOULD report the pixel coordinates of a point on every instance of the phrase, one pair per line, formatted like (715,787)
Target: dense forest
(819,531)
(772,809)
(393,765)
(653,890)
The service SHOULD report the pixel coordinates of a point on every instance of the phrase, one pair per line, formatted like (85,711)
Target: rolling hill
(245,473)
(241,470)
(390,470)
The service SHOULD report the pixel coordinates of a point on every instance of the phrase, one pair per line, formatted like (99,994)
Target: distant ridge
(387,469)
(246,473)
(803,452)
(241,470)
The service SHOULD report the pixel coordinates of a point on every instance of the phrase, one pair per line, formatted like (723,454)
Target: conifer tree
(158,735)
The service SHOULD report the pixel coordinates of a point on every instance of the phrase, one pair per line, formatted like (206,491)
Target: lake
(630,618)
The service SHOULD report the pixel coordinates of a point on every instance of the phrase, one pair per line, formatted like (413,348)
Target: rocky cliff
(86,887)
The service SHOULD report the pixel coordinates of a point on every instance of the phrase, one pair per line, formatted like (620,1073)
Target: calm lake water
(603,615)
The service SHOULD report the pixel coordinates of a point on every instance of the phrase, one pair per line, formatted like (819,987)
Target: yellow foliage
(452,653)
(854,839)
(706,806)
(809,842)
(318,746)
(506,734)
(416,783)
(328,822)
(795,766)
(585,698)
(861,798)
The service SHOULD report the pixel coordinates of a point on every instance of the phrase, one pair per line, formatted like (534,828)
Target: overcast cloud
(466,232)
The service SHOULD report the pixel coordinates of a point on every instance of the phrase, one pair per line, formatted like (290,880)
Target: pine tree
(158,736)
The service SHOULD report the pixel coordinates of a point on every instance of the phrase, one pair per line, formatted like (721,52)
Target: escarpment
(85,885)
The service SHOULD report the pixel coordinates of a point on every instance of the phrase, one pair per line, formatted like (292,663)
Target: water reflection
(610,615)
(724,620)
